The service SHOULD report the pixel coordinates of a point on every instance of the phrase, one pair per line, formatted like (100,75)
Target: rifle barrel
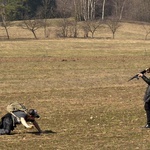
(136,76)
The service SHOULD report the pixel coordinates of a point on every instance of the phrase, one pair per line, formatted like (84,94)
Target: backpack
(15,106)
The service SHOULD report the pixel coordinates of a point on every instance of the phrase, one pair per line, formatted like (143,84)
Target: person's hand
(31,126)
(140,75)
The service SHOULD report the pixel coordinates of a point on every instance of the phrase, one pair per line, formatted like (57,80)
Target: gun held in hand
(143,72)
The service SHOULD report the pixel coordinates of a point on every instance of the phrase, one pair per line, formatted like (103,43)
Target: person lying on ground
(10,121)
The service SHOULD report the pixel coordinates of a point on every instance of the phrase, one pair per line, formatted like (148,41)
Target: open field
(80,89)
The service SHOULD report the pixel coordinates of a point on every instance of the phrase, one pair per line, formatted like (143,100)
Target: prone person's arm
(37,126)
(24,123)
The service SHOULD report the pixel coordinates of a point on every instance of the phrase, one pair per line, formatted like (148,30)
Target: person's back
(17,115)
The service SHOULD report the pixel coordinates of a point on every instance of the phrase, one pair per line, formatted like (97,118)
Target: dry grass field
(80,89)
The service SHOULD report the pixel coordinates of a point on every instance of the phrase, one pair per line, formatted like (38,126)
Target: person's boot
(147,126)
(2,132)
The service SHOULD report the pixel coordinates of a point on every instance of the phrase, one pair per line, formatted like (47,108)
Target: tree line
(94,13)
(81,10)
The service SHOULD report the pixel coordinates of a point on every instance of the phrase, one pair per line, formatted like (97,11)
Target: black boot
(147,126)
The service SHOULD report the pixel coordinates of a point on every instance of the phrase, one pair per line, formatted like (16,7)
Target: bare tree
(88,7)
(45,11)
(103,9)
(32,25)
(76,11)
(84,9)
(68,28)
(64,8)
(147,31)
(113,25)
(119,8)
(5,23)
(85,31)
(64,25)
(45,3)
(122,9)
(73,29)
(90,26)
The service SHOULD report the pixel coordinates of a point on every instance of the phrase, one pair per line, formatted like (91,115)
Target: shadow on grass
(44,132)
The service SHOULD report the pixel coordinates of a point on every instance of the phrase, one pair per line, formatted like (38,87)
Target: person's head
(33,113)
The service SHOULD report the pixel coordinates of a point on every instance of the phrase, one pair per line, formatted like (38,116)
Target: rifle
(143,72)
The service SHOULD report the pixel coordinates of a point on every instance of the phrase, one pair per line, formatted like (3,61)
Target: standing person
(11,120)
(146,97)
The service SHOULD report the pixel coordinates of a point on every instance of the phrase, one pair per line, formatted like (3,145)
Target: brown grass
(80,88)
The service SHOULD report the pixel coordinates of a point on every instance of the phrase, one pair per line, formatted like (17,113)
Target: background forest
(80,9)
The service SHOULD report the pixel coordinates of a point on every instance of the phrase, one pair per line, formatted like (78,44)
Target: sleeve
(147,80)
(24,123)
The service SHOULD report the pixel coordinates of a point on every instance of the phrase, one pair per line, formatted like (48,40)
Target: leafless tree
(85,31)
(45,3)
(5,22)
(84,9)
(78,10)
(119,8)
(138,10)
(122,9)
(64,28)
(90,26)
(64,8)
(68,28)
(73,29)
(103,9)
(113,25)
(44,12)
(32,25)
(147,30)
(88,9)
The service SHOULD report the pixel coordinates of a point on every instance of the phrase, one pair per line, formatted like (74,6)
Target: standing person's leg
(147,109)
(7,126)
